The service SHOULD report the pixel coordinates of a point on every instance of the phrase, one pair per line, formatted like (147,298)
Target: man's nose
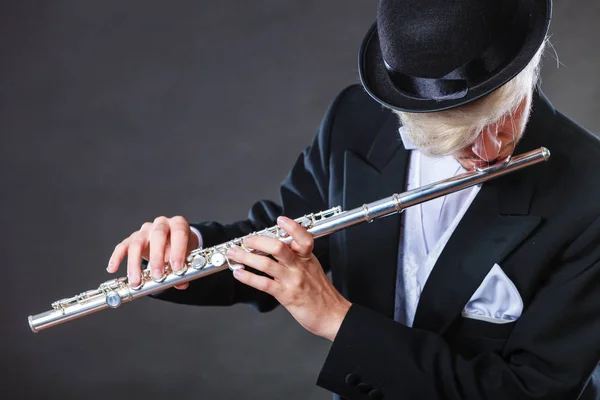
(487,145)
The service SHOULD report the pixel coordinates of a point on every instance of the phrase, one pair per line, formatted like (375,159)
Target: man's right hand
(166,240)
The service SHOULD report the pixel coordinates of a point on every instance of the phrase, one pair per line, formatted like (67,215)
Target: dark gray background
(115,112)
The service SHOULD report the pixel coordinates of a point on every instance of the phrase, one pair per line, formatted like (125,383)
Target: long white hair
(446,132)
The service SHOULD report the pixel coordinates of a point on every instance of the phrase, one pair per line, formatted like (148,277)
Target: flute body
(203,262)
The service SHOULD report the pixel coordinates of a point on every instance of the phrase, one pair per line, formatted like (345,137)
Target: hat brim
(376,82)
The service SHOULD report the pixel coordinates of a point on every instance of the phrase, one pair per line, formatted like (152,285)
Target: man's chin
(482,164)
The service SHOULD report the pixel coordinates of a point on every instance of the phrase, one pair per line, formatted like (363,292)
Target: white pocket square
(496,300)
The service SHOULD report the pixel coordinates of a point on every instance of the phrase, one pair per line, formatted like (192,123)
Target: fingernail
(238,272)
(157,274)
(109,267)
(231,252)
(282,221)
(176,265)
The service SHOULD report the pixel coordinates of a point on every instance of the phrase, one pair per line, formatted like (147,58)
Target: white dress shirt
(426,227)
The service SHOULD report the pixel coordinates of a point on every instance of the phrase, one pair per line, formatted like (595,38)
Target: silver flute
(203,262)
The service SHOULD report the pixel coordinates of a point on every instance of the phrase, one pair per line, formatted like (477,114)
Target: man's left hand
(299,282)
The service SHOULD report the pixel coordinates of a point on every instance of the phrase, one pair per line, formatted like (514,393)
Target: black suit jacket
(541,224)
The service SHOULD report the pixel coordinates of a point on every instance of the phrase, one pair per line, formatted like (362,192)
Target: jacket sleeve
(304,191)
(550,354)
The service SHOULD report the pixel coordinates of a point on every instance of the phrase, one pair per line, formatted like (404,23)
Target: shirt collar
(408,145)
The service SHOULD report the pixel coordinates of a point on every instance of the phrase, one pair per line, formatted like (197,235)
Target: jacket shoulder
(354,119)
(586,142)
(569,184)
(577,150)
(354,97)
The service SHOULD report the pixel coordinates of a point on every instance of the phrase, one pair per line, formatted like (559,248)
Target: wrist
(336,319)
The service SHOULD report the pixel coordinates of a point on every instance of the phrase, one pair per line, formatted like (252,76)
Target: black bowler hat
(432,55)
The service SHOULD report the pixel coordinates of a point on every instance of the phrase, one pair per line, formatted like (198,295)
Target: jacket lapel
(371,276)
(496,223)
(483,237)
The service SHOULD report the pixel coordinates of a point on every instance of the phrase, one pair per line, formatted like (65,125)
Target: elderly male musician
(491,292)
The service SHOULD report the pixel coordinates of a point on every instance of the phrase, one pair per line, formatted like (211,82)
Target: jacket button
(352,379)
(364,387)
(375,395)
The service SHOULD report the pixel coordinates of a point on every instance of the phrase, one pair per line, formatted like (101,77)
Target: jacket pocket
(470,337)
(477,326)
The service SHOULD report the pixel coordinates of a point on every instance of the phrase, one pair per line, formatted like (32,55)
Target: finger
(118,255)
(158,243)
(275,247)
(303,241)
(183,286)
(167,258)
(180,231)
(261,263)
(262,283)
(138,243)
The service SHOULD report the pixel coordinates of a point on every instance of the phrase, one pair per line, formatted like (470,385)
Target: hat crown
(430,38)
